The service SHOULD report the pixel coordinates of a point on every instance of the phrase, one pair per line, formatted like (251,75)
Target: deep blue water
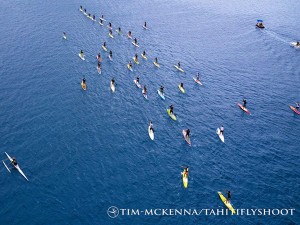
(85,151)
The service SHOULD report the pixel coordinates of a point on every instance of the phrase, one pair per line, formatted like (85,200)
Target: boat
(227,203)
(16,166)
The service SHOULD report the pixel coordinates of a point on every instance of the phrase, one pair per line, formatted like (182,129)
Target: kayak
(221,136)
(243,108)
(136,45)
(81,56)
(110,35)
(156,64)
(295,110)
(135,60)
(83,85)
(295,44)
(17,166)
(187,139)
(228,204)
(181,70)
(172,115)
(161,94)
(130,68)
(185,179)
(144,94)
(197,81)
(137,84)
(112,87)
(104,48)
(151,133)
(181,89)
(144,57)
(99,69)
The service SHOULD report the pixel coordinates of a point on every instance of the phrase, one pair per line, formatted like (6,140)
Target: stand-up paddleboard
(110,28)
(172,115)
(178,68)
(110,35)
(161,94)
(99,70)
(129,67)
(243,108)
(197,81)
(84,13)
(81,56)
(83,85)
(103,19)
(100,23)
(221,136)
(119,32)
(185,179)
(156,64)
(65,37)
(81,10)
(151,133)
(295,110)
(112,87)
(181,89)
(110,58)
(294,44)
(137,84)
(135,60)
(227,203)
(99,58)
(144,57)
(129,36)
(104,48)
(144,94)
(136,45)
(186,138)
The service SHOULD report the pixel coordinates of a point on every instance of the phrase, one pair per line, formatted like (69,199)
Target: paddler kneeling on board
(14,161)
(110,54)
(298,43)
(99,66)
(221,130)
(129,34)
(171,109)
(145,90)
(137,80)
(297,105)
(130,64)
(83,80)
(81,53)
(113,81)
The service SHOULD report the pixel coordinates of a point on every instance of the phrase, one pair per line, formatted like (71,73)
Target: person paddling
(245,102)
(297,105)
(221,130)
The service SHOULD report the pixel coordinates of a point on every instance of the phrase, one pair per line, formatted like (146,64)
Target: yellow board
(224,200)
(171,115)
(83,85)
(111,35)
(185,180)
(181,89)
(135,60)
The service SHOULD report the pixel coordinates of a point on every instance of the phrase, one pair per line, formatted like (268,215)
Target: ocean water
(86,151)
